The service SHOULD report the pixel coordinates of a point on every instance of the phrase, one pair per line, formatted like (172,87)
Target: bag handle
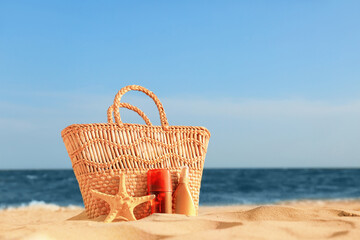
(130,107)
(117,99)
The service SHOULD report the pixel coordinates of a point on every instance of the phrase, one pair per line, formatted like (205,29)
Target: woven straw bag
(100,152)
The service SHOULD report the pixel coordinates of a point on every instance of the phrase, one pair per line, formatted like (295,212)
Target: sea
(219,186)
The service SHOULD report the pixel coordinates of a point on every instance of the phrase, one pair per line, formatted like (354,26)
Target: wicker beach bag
(100,152)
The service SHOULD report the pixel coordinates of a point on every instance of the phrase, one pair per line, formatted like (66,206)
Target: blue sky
(276,82)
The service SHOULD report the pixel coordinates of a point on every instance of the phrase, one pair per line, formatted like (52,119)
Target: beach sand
(287,220)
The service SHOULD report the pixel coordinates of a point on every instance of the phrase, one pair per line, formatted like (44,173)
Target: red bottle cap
(159,180)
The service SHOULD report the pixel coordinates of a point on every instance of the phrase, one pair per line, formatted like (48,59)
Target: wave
(31,177)
(319,200)
(38,204)
(258,202)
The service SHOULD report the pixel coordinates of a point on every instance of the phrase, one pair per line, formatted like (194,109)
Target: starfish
(122,203)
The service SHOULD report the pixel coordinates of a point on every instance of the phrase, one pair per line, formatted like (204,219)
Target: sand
(292,220)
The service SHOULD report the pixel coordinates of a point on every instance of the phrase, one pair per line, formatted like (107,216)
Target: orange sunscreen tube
(184,203)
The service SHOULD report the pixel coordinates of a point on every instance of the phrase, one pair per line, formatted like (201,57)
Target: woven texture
(100,152)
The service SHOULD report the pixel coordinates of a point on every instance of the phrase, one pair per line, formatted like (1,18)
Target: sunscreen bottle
(159,183)
(184,203)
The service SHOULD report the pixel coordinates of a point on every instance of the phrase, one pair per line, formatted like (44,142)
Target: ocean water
(219,186)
